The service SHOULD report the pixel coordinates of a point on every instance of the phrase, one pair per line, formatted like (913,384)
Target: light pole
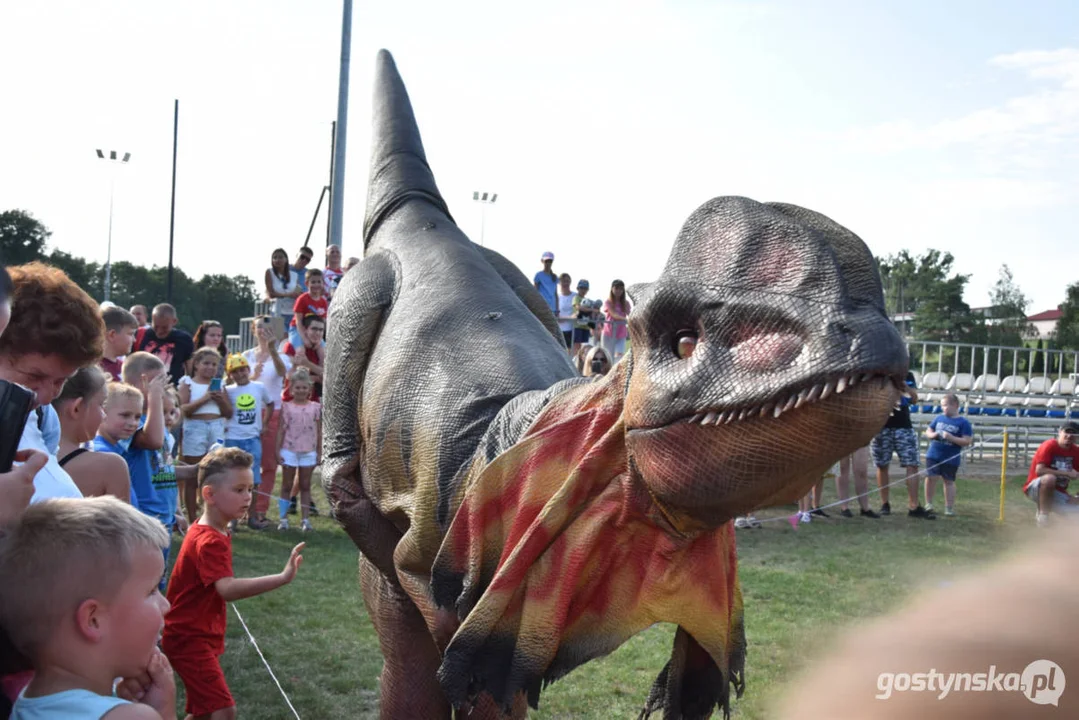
(484,199)
(112,156)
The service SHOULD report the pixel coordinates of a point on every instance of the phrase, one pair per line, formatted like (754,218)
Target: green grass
(802,589)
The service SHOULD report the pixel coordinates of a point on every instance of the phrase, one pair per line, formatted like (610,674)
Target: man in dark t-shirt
(174,347)
(898,437)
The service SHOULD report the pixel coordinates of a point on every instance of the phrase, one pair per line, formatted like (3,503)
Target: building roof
(1046,315)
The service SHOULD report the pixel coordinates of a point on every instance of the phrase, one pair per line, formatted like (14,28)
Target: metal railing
(953,358)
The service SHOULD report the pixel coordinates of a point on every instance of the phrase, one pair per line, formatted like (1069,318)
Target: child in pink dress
(299,445)
(616,311)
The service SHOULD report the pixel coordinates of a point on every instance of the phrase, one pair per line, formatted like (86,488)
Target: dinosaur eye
(685,343)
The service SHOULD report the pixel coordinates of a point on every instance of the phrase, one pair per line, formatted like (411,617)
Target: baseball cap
(547,256)
(235,362)
(582,283)
(1072,428)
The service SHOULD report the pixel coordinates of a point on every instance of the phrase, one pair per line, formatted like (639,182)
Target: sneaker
(1042,519)
(819,513)
(869,514)
(921,512)
(886,509)
(929,507)
(292,509)
(804,517)
(257,524)
(741,522)
(283,525)
(845,512)
(753,522)
(306,526)
(949,512)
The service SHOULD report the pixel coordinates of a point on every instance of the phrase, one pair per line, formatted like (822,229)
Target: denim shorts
(936,468)
(252,446)
(199,435)
(900,441)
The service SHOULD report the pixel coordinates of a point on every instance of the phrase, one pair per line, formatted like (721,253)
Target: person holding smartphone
(204,405)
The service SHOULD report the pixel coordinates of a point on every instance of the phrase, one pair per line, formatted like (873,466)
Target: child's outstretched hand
(293,564)
(155,686)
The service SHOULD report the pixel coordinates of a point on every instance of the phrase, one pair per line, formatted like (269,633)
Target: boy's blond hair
(216,465)
(122,391)
(138,364)
(61,552)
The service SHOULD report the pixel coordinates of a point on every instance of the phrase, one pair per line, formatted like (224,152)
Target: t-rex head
(760,356)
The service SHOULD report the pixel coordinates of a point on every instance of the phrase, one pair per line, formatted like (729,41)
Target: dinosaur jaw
(719,463)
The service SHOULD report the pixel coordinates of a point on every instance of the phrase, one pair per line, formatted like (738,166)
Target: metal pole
(329,206)
(108,252)
(337,187)
(172,209)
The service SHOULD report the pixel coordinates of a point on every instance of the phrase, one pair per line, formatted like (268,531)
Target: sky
(600,124)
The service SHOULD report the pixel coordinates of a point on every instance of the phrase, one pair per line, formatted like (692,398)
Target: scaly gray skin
(442,356)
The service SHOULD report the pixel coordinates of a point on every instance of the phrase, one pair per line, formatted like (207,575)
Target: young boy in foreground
(80,600)
(202,582)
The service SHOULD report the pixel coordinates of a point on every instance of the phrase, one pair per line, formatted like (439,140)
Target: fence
(954,358)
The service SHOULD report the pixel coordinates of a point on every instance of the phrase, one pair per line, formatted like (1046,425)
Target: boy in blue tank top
(80,600)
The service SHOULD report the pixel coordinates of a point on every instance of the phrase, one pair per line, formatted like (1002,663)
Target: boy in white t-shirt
(251,407)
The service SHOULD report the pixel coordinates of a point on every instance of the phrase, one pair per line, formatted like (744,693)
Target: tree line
(219,297)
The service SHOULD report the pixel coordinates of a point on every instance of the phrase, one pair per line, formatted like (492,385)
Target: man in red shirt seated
(1052,469)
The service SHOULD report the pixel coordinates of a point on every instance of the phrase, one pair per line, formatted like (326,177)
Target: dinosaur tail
(399,169)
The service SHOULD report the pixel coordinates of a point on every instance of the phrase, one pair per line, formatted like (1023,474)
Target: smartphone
(215,384)
(16,402)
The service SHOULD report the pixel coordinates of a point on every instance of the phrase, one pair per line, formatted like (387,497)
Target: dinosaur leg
(409,682)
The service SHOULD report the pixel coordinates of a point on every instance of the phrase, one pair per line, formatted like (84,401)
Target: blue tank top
(67,705)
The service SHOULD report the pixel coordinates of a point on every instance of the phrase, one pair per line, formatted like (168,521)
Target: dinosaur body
(515,520)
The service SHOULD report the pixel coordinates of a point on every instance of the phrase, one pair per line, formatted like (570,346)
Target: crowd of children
(85,568)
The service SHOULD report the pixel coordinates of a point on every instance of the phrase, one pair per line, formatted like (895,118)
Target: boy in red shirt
(312,302)
(1052,469)
(202,582)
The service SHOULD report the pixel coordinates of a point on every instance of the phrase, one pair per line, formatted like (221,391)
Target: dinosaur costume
(516,520)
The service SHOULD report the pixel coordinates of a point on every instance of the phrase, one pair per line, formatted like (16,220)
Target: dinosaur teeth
(729,417)
(696,418)
(828,387)
(814,394)
(840,385)
(709,419)
(852,380)
(778,411)
(766,409)
(802,399)
(789,405)
(865,376)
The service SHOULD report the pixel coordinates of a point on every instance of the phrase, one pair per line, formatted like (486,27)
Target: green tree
(1008,324)
(927,286)
(1038,366)
(22,238)
(1067,333)
(224,298)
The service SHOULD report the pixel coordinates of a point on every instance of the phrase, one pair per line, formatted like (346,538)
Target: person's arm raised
(232,588)
(152,435)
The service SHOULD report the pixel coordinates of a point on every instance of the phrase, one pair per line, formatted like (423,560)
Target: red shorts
(197,664)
